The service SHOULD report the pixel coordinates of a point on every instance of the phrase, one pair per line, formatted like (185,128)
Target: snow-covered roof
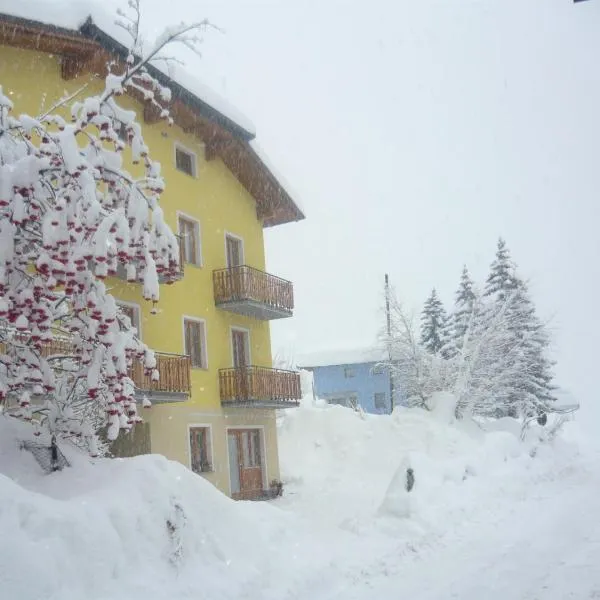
(73,14)
(341,357)
(88,19)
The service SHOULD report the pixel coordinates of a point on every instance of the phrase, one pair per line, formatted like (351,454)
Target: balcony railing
(259,387)
(253,293)
(174,370)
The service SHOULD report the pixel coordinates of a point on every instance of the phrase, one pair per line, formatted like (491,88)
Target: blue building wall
(336,381)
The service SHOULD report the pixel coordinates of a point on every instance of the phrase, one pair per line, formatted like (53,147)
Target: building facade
(350,378)
(214,405)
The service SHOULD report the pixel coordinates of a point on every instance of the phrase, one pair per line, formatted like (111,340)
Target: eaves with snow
(86,37)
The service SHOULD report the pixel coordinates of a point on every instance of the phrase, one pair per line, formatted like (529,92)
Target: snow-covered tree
(71,213)
(433,324)
(417,373)
(463,305)
(496,360)
(501,280)
(458,320)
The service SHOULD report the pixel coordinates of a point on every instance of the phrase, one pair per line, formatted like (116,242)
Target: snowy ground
(485,519)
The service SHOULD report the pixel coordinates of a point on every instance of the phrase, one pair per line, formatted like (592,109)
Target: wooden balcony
(259,387)
(174,369)
(247,291)
(175,376)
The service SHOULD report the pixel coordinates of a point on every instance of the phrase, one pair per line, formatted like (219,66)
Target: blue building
(350,378)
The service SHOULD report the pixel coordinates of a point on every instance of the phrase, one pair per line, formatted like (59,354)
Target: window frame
(203,338)
(378,370)
(349,372)
(248,344)
(239,239)
(384,405)
(138,309)
(181,216)
(193,156)
(208,448)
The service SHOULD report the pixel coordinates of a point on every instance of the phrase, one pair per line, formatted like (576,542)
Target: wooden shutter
(234,252)
(240,352)
(188,232)
(194,342)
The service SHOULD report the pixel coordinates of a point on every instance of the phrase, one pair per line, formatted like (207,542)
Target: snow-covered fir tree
(463,306)
(496,360)
(531,388)
(71,214)
(501,280)
(433,324)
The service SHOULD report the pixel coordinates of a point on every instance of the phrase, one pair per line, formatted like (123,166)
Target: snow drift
(149,528)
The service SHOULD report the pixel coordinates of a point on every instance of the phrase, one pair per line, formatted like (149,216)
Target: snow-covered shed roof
(84,30)
(341,357)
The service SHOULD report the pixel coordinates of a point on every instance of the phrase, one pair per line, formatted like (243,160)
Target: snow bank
(111,528)
(341,466)
(149,528)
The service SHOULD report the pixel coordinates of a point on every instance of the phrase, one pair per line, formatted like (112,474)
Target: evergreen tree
(433,324)
(531,386)
(463,305)
(501,280)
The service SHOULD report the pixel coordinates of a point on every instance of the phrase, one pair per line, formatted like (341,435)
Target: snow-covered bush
(72,214)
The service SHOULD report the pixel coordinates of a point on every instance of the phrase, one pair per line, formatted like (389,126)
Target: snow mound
(339,466)
(96,530)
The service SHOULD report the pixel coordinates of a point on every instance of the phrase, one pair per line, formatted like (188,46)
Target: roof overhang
(88,49)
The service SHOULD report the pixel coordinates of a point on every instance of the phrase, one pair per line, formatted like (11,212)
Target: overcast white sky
(415,133)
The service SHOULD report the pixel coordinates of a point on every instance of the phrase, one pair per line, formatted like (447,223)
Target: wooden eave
(88,50)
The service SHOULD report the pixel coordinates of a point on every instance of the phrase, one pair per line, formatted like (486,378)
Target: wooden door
(234,252)
(247,479)
(239,341)
(235,261)
(241,360)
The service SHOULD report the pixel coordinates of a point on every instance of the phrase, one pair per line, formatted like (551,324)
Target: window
(195,342)
(235,251)
(379,400)
(200,449)
(378,370)
(121,131)
(347,399)
(189,231)
(251,448)
(240,343)
(348,372)
(133,312)
(185,161)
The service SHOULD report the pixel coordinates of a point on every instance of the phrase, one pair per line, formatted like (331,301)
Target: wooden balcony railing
(259,386)
(248,291)
(174,369)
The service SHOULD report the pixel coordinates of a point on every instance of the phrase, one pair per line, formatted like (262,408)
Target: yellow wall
(219,202)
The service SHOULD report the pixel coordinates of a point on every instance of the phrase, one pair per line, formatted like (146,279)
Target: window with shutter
(195,343)
(189,230)
(133,312)
(200,449)
(379,400)
(185,161)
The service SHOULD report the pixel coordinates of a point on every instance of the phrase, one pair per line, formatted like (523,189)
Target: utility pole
(389,340)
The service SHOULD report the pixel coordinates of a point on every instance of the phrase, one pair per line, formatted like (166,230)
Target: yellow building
(214,406)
